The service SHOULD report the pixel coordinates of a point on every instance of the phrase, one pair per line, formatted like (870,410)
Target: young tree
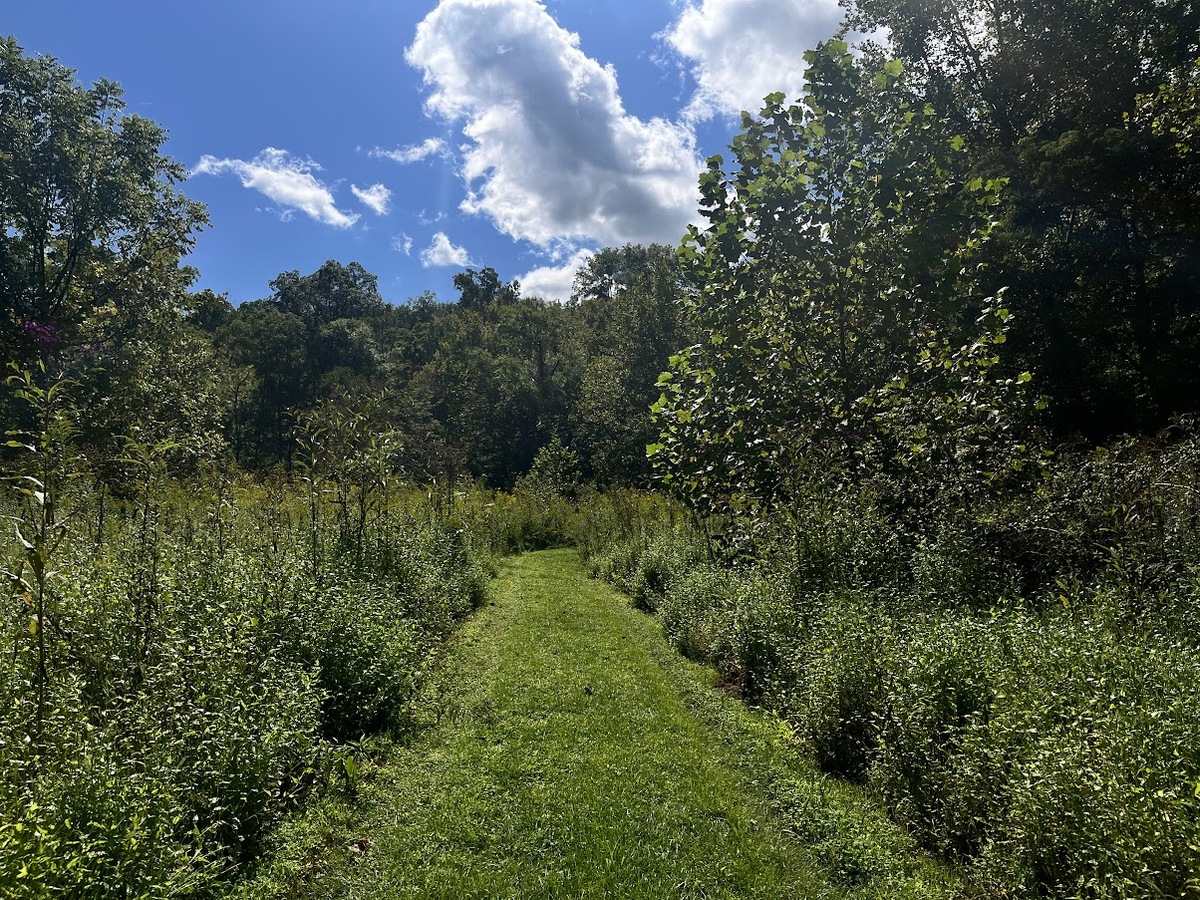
(843,334)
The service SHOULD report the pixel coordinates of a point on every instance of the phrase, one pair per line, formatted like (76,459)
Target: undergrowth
(185,663)
(1022,692)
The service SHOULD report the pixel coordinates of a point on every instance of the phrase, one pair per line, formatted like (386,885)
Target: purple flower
(40,332)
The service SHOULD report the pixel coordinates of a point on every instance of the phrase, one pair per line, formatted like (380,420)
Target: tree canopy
(843,331)
(1099,241)
(92,227)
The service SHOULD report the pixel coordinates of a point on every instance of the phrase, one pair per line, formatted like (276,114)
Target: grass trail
(573,754)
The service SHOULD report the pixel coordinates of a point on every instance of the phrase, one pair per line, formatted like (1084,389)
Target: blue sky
(420,137)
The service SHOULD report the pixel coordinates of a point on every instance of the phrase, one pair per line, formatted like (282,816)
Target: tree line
(1042,178)
(96,291)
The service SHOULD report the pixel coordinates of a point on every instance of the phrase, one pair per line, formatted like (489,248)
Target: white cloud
(443,253)
(414,153)
(742,50)
(403,244)
(286,179)
(377,197)
(554,282)
(551,153)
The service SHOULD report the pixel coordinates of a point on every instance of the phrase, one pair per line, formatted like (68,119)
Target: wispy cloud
(551,153)
(377,198)
(443,253)
(742,50)
(288,180)
(413,153)
(403,244)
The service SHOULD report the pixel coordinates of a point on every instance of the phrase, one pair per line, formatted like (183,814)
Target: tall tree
(483,288)
(92,228)
(1100,243)
(274,345)
(334,291)
(631,301)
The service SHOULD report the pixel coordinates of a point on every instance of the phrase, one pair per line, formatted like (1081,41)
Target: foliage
(177,680)
(333,292)
(631,307)
(666,800)
(479,289)
(844,337)
(469,390)
(91,225)
(1098,228)
(1042,740)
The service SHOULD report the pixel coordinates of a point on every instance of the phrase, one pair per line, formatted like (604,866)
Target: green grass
(571,753)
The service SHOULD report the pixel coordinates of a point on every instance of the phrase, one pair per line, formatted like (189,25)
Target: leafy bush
(939,688)
(1098,735)
(837,699)
(1048,744)
(199,651)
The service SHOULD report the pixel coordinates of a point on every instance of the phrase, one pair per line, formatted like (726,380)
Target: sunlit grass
(574,755)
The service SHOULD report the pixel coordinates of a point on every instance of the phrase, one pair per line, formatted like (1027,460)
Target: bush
(1051,745)
(187,684)
(837,701)
(1099,736)
(939,688)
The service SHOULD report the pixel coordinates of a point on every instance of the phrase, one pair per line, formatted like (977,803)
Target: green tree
(477,289)
(92,228)
(163,386)
(274,345)
(334,291)
(499,380)
(1099,239)
(1171,112)
(631,303)
(843,335)
(207,310)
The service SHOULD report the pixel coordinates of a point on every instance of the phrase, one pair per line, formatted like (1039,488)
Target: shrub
(837,700)
(194,682)
(1099,734)
(938,688)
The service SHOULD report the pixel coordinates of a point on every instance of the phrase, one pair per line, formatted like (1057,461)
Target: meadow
(186,661)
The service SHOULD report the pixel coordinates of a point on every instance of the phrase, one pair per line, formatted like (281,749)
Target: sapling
(39,525)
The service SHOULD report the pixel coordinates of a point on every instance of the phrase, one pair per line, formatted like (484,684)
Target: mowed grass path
(574,755)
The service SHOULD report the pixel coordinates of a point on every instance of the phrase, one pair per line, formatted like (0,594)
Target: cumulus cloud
(413,153)
(554,282)
(403,244)
(443,253)
(742,50)
(286,179)
(377,198)
(551,153)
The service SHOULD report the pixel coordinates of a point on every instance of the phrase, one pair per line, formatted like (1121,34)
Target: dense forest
(919,396)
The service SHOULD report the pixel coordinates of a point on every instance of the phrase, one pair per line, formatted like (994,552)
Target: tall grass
(201,651)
